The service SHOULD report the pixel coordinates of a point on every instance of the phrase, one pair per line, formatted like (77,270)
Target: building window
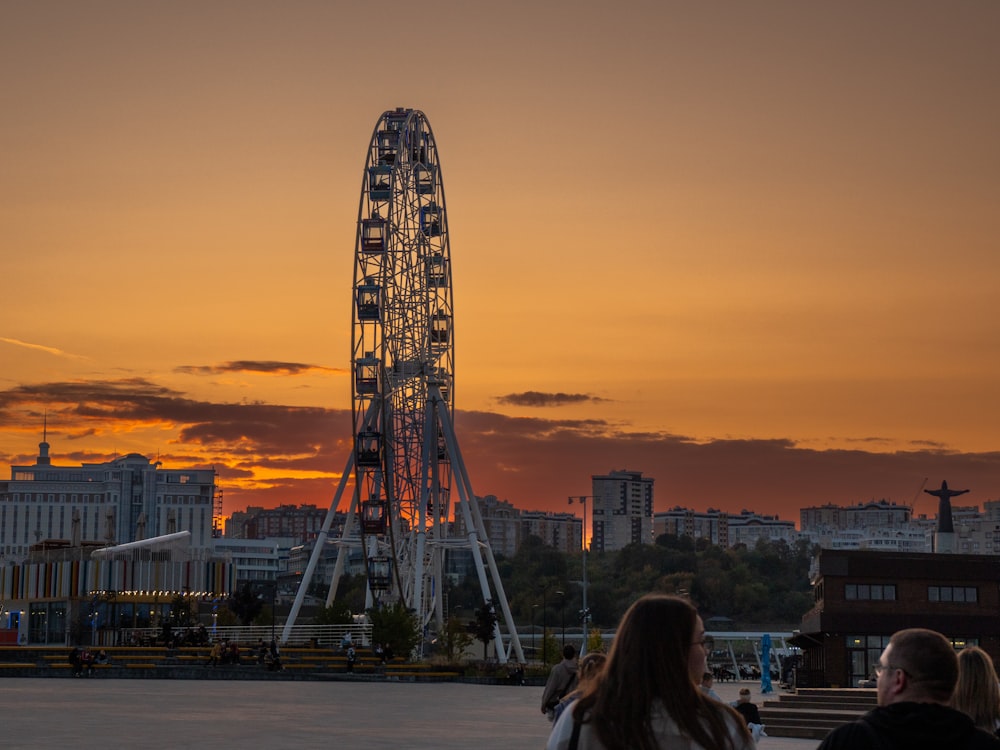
(881,592)
(960,643)
(955,594)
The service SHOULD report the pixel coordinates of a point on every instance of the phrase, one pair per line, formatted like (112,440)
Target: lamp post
(534,650)
(274,606)
(545,652)
(273,585)
(562,616)
(585,612)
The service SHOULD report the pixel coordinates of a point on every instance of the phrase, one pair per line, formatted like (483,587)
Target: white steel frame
(406,456)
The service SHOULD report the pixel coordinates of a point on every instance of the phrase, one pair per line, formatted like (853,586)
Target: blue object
(765,672)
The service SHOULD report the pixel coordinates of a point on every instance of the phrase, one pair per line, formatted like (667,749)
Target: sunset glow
(749,251)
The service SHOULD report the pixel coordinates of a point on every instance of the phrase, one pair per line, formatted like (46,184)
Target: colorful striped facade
(72,579)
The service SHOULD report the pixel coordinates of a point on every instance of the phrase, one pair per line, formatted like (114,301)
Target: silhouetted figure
(275,655)
(944,496)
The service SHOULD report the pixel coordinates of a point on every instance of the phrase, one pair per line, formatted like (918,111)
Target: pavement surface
(151,714)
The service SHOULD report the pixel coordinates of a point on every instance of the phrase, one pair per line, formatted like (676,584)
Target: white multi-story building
(748,527)
(255,559)
(907,538)
(884,526)
(622,510)
(123,500)
(871,515)
(721,528)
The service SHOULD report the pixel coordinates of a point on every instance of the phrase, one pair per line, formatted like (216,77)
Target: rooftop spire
(43,447)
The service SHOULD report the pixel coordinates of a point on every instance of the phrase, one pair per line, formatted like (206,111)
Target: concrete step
(860,703)
(812,713)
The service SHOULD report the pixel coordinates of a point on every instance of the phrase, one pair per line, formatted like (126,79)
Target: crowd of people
(225,652)
(82,661)
(653,691)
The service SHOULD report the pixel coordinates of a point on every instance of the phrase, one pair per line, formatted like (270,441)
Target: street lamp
(534,650)
(545,652)
(562,616)
(585,612)
(274,606)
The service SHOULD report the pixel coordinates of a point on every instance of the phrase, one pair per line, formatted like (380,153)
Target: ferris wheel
(402,349)
(408,472)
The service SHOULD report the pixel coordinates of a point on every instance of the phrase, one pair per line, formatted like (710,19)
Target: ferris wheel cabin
(440,328)
(366,374)
(373,233)
(380,182)
(369,299)
(373,517)
(424,179)
(430,220)
(437,270)
(369,449)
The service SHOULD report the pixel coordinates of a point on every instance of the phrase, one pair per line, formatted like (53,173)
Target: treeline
(767,584)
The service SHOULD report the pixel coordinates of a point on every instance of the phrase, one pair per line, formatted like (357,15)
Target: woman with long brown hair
(646,697)
(977,692)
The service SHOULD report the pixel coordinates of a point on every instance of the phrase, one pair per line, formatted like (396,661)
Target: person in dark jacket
(916,675)
(747,708)
(562,680)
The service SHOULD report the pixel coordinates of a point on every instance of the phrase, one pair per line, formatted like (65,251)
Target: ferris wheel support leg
(474,522)
(434,608)
(317,551)
(425,479)
(342,551)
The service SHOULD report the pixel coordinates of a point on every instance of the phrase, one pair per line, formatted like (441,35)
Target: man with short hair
(915,675)
(562,680)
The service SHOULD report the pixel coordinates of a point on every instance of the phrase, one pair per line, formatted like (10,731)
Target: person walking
(647,696)
(916,675)
(562,680)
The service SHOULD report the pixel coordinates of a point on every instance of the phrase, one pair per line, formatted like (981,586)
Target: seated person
(746,709)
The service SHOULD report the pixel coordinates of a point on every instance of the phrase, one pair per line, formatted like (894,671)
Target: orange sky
(749,251)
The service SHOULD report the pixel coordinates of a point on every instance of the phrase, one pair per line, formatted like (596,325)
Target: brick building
(863,597)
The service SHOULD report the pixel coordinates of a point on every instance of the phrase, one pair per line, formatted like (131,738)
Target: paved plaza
(155,713)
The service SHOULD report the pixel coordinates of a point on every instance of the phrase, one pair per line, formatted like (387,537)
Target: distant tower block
(944,538)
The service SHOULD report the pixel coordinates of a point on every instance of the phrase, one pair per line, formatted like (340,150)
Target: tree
(180,612)
(595,641)
(338,613)
(396,626)
(484,626)
(245,604)
(550,647)
(454,639)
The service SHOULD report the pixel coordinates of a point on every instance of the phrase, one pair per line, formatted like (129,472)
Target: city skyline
(746,251)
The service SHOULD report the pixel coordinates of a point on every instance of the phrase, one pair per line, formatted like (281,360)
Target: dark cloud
(240,429)
(537,399)
(535,463)
(267,367)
